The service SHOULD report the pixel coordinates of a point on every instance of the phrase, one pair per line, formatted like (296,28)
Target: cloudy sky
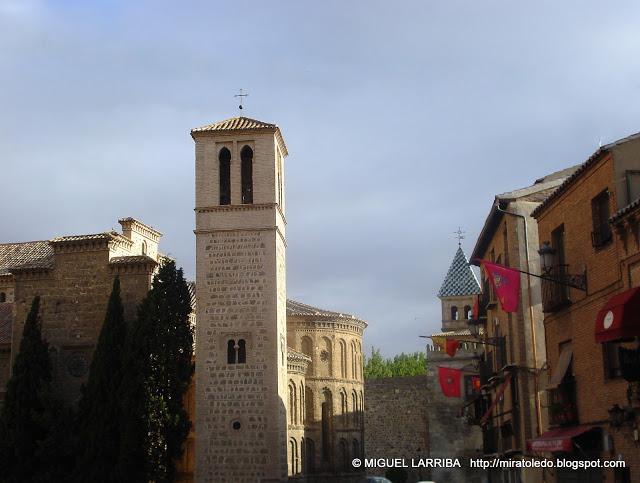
(403,119)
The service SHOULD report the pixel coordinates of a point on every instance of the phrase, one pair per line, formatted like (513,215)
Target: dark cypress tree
(159,368)
(99,416)
(24,418)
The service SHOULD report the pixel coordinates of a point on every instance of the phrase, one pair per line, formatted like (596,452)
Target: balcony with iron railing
(555,288)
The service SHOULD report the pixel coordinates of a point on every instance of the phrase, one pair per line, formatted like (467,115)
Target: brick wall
(396,422)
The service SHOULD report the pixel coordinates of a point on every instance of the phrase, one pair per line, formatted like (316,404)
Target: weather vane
(242,95)
(459,235)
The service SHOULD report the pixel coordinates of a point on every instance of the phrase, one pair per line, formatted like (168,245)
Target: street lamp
(547,257)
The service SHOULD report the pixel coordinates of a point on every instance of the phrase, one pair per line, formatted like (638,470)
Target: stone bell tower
(241,353)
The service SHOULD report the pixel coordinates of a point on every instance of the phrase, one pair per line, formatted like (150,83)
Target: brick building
(73,275)
(591,262)
(514,350)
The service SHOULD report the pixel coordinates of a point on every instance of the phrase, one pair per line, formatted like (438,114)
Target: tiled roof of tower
(6,322)
(236,124)
(239,124)
(36,254)
(460,279)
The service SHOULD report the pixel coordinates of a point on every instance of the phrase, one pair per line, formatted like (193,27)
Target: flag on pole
(451,346)
(450,381)
(506,283)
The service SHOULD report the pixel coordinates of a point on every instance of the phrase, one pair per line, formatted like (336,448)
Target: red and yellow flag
(505,282)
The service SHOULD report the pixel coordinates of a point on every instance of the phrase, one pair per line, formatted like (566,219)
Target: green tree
(26,413)
(376,366)
(99,414)
(159,367)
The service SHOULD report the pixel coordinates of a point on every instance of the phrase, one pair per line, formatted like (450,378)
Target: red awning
(620,317)
(559,439)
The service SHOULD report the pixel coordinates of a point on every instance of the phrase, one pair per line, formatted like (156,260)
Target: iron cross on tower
(242,95)
(459,235)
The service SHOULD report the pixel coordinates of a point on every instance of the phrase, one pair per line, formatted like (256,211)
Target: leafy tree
(99,415)
(376,366)
(158,357)
(26,413)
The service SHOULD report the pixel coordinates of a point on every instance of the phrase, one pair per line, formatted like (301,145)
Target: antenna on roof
(241,96)
(459,235)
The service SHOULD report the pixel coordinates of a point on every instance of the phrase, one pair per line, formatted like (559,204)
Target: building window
(468,313)
(601,234)
(611,360)
(3,297)
(224,174)
(344,455)
(310,450)
(343,358)
(144,247)
(246,174)
(306,347)
(309,413)
(293,445)
(293,404)
(633,185)
(327,415)
(454,312)
(236,353)
(355,449)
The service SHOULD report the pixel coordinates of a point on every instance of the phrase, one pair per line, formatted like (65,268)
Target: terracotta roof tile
(294,355)
(236,124)
(36,254)
(132,259)
(93,236)
(298,308)
(624,211)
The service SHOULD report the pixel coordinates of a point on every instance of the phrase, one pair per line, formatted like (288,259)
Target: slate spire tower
(457,293)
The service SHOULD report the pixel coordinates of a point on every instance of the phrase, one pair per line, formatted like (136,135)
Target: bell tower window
(236,352)
(224,173)
(246,174)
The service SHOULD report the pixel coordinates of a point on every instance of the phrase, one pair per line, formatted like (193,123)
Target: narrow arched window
(454,312)
(246,174)
(468,312)
(355,451)
(144,247)
(224,166)
(231,352)
(3,297)
(309,414)
(242,351)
